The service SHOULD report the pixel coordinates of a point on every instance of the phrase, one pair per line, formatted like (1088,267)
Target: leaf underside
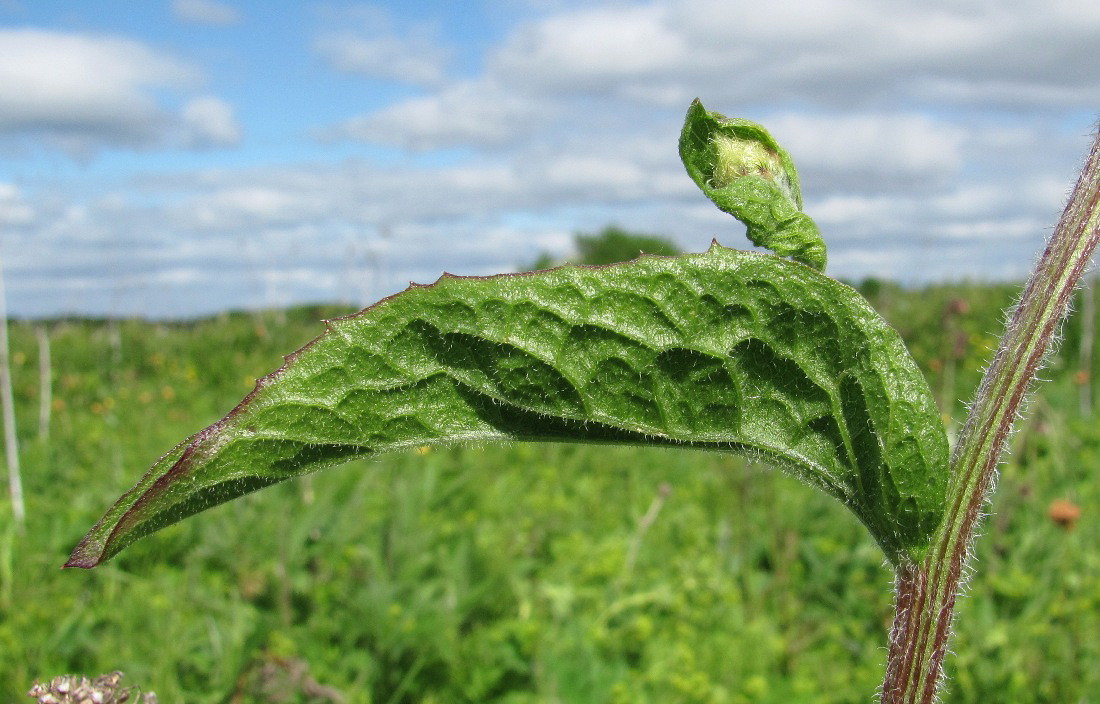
(726,350)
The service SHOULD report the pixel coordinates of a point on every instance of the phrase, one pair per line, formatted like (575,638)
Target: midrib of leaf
(726,350)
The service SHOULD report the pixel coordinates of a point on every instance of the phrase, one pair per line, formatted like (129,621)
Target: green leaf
(747,174)
(726,350)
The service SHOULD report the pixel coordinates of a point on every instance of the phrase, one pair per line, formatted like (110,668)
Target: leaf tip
(85,555)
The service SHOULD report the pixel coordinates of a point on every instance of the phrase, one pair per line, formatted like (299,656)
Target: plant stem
(7,410)
(1088,332)
(925,592)
(45,383)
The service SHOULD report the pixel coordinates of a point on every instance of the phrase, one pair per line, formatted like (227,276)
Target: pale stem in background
(45,386)
(11,449)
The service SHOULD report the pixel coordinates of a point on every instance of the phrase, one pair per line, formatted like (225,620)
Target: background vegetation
(528,573)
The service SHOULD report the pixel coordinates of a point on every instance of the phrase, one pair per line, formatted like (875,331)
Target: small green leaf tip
(747,174)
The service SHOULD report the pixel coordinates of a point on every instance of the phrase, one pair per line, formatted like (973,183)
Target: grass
(526,573)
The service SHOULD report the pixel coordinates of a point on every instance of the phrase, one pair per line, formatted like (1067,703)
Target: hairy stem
(926,592)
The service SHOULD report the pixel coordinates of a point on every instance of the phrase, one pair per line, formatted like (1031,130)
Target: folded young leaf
(745,172)
(726,350)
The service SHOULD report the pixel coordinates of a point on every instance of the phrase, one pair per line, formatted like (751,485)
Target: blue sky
(180,157)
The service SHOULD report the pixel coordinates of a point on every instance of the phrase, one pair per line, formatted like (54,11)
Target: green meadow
(524,573)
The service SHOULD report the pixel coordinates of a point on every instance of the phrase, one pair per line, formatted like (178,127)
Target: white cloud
(824,52)
(365,40)
(80,93)
(209,122)
(994,231)
(205,12)
(248,206)
(844,56)
(413,61)
(849,209)
(586,174)
(933,140)
(14,208)
(235,237)
(461,114)
(592,50)
(853,144)
(970,199)
(77,89)
(1044,190)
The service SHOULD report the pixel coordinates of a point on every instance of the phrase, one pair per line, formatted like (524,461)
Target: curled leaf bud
(737,157)
(747,174)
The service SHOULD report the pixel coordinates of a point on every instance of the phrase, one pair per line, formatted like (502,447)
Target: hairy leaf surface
(726,350)
(745,172)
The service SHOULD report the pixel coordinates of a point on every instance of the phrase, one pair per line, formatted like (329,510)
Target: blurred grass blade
(745,172)
(726,350)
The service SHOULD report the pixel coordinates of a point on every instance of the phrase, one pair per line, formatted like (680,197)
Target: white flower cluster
(77,689)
